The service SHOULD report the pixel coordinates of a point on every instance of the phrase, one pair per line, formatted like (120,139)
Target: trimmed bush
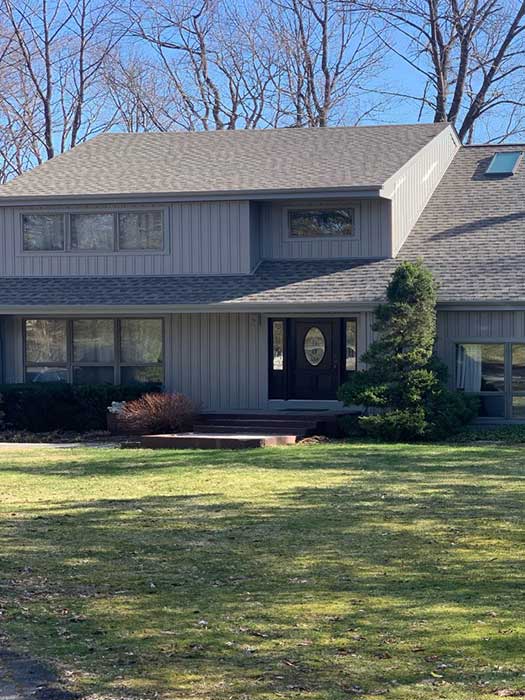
(42,408)
(157,413)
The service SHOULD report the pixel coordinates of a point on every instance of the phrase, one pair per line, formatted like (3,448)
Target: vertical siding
(202,238)
(11,352)
(371,240)
(457,326)
(412,186)
(220,360)
(255,234)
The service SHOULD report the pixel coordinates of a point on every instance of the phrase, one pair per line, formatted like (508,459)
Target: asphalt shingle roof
(226,161)
(471,235)
(472,232)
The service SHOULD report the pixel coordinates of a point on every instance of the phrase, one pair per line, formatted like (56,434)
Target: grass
(321,572)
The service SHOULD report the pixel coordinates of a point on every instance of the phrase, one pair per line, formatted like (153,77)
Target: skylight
(504,163)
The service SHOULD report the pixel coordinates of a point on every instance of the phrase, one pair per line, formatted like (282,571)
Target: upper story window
(321,222)
(93,231)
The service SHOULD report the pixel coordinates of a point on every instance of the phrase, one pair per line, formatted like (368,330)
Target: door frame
(280,381)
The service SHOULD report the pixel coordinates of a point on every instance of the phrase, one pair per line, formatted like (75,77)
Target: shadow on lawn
(328,592)
(397,459)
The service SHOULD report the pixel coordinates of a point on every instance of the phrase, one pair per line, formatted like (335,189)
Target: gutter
(362,191)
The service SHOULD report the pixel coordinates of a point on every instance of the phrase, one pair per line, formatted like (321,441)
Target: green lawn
(322,572)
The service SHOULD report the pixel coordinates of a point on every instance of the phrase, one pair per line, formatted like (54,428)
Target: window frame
(508,393)
(57,251)
(116,250)
(70,364)
(356,220)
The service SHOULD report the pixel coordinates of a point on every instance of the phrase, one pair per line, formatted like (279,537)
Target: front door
(316,357)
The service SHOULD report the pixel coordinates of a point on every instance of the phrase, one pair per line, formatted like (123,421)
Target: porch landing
(233,430)
(210,441)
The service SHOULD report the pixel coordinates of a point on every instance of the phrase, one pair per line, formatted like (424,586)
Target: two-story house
(243,267)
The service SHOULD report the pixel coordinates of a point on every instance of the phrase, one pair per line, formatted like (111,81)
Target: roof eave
(362,191)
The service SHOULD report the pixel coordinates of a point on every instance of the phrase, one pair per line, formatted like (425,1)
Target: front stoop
(210,441)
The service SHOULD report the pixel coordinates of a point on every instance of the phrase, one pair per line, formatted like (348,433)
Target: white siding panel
(202,238)
(412,186)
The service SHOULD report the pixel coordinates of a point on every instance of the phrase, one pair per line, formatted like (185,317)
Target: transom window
(94,350)
(93,231)
(320,223)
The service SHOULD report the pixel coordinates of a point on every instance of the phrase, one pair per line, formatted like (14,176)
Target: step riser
(225,429)
(258,424)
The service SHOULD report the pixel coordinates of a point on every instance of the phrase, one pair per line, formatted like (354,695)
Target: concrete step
(207,441)
(247,430)
(266,425)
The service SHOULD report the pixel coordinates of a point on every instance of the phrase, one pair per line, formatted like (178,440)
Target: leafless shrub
(158,413)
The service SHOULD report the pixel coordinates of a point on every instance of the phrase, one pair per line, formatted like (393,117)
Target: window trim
(115,251)
(356,221)
(508,393)
(117,364)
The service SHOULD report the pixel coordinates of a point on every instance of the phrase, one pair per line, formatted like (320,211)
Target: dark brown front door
(316,357)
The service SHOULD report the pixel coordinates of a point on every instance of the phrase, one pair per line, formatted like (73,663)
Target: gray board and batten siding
(199,238)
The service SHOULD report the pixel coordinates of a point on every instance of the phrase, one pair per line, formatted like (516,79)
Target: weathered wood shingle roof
(226,162)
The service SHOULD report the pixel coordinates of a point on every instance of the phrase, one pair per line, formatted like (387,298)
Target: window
(140,231)
(278,345)
(320,223)
(351,346)
(93,231)
(46,350)
(518,381)
(94,351)
(43,231)
(480,369)
(504,163)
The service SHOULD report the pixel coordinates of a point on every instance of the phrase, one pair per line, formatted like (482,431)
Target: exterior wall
(11,353)
(476,326)
(220,360)
(412,186)
(372,239)
(201,237)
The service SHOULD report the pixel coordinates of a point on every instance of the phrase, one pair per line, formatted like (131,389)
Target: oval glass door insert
(314,346)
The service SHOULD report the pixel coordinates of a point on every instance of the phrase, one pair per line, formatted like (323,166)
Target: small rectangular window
(140,231)
(93,375)
(320,223)
(278,345)
(351,346)
(43,232)
(92,232)
(504,163)
(141,375)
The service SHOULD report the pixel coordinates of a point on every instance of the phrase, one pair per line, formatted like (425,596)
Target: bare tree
(277,63)
(470,56)
(328,51)
(211,56)
(50,74)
